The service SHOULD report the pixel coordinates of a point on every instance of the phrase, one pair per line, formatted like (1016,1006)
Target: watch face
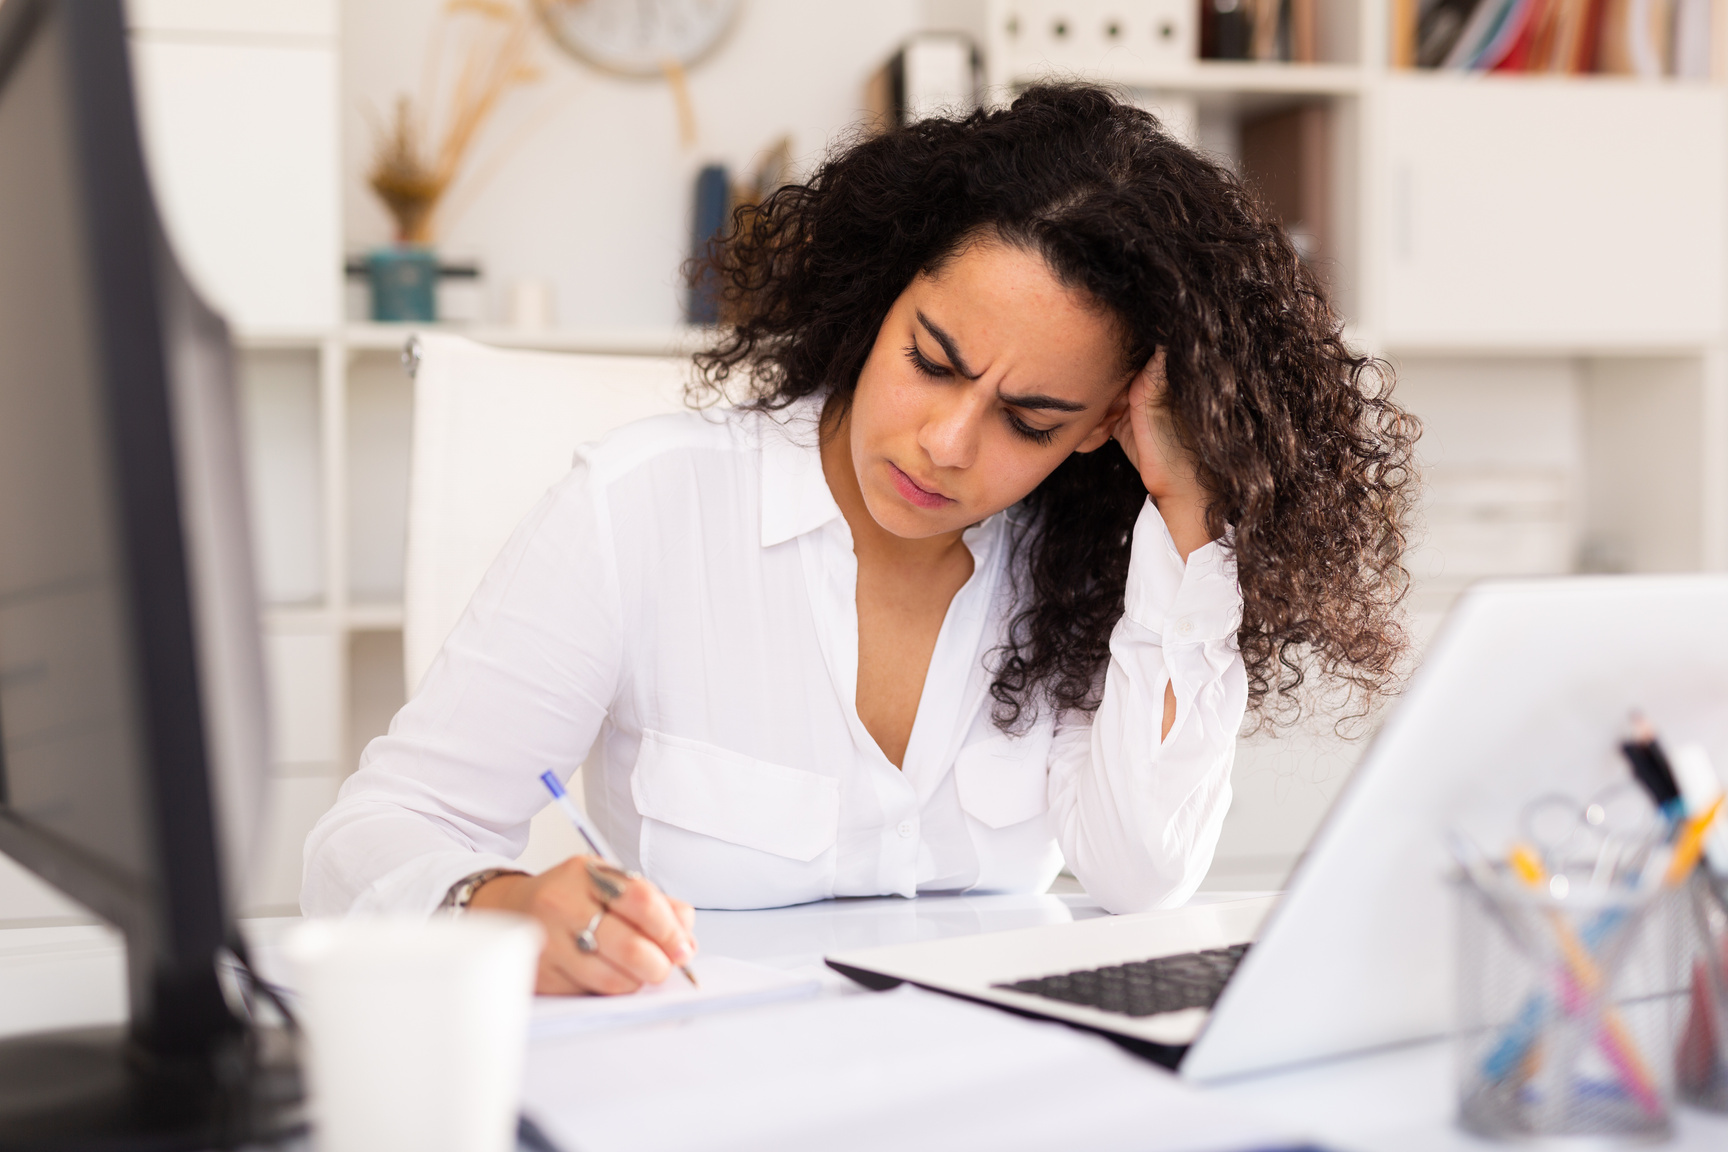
(637,37)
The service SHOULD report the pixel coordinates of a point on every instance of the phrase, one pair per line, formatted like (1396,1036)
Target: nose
(953,427)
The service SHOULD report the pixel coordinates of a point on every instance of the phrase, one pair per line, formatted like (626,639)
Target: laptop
(1526,690)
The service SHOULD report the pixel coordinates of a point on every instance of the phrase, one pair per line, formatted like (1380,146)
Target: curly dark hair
(1296,438)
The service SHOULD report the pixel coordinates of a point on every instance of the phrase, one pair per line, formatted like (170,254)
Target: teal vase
(404,281)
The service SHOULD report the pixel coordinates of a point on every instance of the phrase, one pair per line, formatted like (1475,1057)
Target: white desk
(1398,1101)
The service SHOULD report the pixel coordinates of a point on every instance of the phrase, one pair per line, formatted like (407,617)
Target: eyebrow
(951,349)
(1033,401)
(1039,402)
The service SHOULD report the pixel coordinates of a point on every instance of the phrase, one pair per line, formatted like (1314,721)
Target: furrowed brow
(949,348)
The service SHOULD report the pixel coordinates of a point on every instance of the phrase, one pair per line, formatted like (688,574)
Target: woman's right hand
(642,936)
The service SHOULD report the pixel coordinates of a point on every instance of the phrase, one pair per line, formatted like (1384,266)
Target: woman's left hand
(1148,438)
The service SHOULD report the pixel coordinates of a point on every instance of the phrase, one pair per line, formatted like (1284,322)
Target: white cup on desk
(416,1030)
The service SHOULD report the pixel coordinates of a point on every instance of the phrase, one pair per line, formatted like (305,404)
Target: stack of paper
(905,1070)
(725,983)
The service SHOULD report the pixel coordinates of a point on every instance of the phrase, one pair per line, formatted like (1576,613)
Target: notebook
(725,984)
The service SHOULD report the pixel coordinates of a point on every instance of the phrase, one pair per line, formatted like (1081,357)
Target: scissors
(1615,827)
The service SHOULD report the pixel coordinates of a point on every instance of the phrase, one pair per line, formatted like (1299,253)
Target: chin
(895,515)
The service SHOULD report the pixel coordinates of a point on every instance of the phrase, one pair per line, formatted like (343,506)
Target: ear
(1106,428)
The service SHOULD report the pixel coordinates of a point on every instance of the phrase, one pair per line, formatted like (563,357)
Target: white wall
(598,200)
(237,107)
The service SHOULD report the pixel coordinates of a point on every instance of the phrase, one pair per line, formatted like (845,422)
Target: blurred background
(1520,204)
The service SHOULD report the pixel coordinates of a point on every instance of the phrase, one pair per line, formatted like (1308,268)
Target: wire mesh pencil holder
(1566,1006)
(1701,1058)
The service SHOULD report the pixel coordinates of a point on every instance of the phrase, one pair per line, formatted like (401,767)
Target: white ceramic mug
(416,1030)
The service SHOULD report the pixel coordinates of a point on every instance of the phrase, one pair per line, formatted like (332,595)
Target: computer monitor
(132,740)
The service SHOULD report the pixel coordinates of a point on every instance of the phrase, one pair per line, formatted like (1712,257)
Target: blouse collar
(795,495)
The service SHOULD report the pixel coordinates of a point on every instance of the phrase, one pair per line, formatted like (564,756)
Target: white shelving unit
(330,418)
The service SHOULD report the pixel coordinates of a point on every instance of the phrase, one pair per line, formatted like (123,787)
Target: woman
(1053,465)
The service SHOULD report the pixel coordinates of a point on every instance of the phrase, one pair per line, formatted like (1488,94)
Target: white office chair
(493,430)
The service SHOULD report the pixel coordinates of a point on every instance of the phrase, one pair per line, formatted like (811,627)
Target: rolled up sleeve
(521,687)
(1138,814)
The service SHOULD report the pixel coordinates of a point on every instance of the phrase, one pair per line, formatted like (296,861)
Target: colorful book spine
(1645,38)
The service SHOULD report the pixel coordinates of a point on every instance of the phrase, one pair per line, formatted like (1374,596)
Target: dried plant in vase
(481,50)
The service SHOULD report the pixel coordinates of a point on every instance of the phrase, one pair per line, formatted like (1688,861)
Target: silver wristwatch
(456,900)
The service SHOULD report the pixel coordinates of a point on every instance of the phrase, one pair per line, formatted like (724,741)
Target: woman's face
(984,377)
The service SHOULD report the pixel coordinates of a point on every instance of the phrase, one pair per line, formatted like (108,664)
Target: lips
(913,494)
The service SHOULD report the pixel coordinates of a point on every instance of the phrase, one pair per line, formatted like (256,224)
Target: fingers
(641,937)
(566,970)
(1133,429)
(1123,431)
(686,916)
(630,953)
(651,913)
(561,901)
(623,961)
(1151,379)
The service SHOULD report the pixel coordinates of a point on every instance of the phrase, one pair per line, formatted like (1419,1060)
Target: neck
(870,541)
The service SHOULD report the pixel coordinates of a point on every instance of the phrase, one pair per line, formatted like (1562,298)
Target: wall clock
(637,37)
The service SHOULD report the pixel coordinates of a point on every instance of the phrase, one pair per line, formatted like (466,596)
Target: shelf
(1547,346)
(674,341)
(301,619)
(281,339)
(1229,76)
(1250,77)
(373,617)
(1453,76)
(298,618)
(685,340)
(678,340)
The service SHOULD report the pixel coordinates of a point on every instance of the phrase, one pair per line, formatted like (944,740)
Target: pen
(1691,845)
(1700,787)
(1650,766)
(597,845)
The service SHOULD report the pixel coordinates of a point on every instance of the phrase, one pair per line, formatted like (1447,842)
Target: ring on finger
(605,882)
(586,942)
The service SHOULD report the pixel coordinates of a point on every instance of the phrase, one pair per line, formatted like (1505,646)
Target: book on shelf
(1646,38)
(1272,30)
(1286,160)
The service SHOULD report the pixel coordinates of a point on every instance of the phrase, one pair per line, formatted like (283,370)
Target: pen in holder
(1566,1012)
(1701,1060)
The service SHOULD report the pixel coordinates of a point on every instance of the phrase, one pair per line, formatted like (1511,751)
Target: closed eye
(1021,428)
(924,365)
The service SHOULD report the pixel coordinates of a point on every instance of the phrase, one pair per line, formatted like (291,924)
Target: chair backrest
(493,430)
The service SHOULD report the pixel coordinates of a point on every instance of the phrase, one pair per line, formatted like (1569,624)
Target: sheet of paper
(725,983)
(905,1069)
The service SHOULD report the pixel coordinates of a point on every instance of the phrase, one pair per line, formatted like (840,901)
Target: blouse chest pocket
(1004,780)
(722,830)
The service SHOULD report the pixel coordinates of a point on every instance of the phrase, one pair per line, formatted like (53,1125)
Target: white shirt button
(1185,626)
(906,828)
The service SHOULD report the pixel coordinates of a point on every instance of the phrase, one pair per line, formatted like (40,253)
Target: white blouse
(680,613)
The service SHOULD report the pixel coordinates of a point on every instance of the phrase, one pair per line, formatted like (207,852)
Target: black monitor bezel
(177,919)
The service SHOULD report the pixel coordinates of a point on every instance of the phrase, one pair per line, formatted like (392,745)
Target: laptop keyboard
(1144,987)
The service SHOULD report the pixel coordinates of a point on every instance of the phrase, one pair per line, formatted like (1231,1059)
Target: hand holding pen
(608,931)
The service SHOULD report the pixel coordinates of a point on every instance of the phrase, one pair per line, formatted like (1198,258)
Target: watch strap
(461,893)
